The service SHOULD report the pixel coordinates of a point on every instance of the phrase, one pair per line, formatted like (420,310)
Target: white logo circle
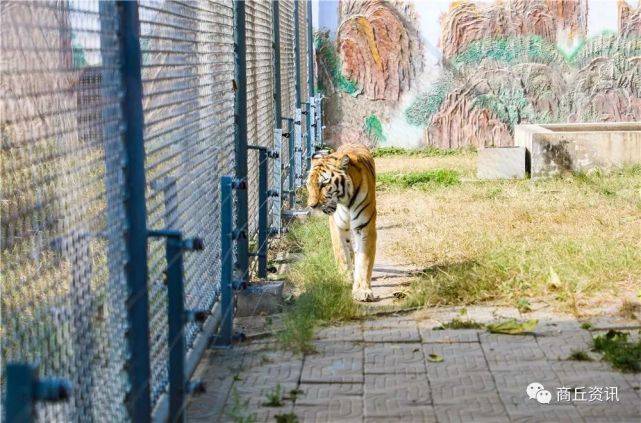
(544,397)
(532,389)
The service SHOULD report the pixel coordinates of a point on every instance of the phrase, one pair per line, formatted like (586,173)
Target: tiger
(343,185)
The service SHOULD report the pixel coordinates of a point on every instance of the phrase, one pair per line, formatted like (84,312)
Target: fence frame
(139,363)
(24,385)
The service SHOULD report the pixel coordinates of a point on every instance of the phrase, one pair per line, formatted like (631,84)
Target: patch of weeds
(326,295)
(286,418)
(274,397)
(237,378)
(578,355)
(586,325)
(461,324)
(294,393)
(523,305)
(629,309)
(623,354)
(421,180)
(238,412)
(416,152)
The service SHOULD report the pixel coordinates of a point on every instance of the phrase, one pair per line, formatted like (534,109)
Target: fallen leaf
(434,358)
(513,327)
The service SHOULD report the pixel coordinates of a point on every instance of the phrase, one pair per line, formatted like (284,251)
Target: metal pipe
(138,399)
(240,136)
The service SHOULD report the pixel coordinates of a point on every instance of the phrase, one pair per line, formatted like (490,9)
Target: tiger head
(328,182)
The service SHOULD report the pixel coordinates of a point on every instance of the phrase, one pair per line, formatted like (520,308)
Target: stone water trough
(554,149)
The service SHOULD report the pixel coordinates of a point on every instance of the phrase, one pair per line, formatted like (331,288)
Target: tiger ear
(344,162)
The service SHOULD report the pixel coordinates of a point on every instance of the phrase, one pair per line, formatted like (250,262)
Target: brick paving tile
(394,358)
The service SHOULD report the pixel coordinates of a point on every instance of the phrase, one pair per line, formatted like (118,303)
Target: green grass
(274,398)
(421,180)
(417,152)
(325,294)
(579,355)
(622,353)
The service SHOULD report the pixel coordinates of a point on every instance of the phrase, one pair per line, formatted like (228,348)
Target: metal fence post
(278,181)
(226,274)
(138,398)
(298,127)
(263,195)
(291,189)
(240,136)
(24,388)
(311,121)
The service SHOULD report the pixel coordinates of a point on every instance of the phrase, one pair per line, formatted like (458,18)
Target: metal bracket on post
(177,316)
(24,388)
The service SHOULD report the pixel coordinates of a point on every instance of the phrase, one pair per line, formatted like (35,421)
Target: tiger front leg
(341,245)
(365,253)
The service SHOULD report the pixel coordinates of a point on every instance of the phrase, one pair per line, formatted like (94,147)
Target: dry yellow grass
(571,241)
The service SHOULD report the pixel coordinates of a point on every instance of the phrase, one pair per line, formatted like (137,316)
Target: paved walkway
(380,370)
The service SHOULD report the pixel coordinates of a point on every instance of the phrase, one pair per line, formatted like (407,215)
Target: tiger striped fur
(343,186)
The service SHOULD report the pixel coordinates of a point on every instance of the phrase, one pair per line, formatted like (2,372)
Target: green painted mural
(391,78)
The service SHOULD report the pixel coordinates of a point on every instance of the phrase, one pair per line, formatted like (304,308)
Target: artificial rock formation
(629,19)
(379,47)
(468,21)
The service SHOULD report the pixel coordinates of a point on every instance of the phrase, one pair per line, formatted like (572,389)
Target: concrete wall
(555,149)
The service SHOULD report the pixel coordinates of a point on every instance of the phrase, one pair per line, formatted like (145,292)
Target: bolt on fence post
(240,135)
(138,398)
(24,388)
(226,271)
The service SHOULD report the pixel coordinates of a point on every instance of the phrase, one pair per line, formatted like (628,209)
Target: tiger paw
(364,295)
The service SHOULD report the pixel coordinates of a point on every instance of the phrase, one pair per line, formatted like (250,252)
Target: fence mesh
(187,54)
(62,156)
(62,201)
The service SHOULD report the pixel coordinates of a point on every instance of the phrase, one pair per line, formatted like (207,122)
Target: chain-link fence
(73,75)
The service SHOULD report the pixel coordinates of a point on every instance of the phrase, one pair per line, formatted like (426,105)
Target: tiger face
(328,183)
